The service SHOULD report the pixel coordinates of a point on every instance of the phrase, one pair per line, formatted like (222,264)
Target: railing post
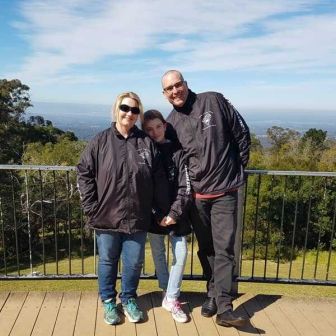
(28,223)
(238,240)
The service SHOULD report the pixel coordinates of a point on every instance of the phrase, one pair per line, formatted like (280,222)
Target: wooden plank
(259,319)
(125,327)
(189,328)
(86,317)
(301,323)
(10,311)
(102,328)
(204,325)
(310,310)
(3,298)
(276,315)
(46,319)
(165,325)
(327,309)
(65,323)
(28,314)
(147,326)
(238,306)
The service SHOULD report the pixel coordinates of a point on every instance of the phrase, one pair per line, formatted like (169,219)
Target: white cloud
(65,34)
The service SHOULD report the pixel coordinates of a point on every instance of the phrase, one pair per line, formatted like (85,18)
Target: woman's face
(126,117)
(155,128)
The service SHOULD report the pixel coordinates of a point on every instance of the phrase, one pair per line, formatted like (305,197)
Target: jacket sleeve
(183,196)
(239,129)
(86,179)
(161,192)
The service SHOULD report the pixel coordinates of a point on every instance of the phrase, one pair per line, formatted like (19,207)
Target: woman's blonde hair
(132,95)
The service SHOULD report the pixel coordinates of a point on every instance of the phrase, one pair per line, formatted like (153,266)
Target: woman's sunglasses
(126,108)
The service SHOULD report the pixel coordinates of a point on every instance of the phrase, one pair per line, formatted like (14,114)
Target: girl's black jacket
(120,180)
(180,195)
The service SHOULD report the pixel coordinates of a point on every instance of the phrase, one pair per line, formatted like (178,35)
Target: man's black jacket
(215,139)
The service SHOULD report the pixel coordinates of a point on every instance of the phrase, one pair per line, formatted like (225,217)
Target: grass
(258,268)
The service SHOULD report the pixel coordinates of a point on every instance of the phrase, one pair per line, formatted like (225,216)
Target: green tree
(63,153)
(316,137)
(14,100)
(279,136)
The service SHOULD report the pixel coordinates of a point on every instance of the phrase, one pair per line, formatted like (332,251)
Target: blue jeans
(170,282)
(131,248)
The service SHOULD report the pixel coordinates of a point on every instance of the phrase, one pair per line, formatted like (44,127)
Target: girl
(175,223)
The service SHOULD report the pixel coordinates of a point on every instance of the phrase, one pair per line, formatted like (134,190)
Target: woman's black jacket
(120,180)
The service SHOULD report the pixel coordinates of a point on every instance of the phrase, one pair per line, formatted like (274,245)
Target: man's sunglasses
(126,108)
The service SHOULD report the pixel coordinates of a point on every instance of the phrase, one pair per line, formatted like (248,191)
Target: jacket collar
(133,131)
(187,107)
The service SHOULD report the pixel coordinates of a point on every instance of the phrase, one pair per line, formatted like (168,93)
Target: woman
(176,223)
(119,175)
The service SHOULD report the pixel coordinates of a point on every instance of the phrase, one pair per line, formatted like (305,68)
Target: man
(216,141)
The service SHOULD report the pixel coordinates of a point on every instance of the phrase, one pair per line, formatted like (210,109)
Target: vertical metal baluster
(243,227)
(144,261)
(29,226)
(94,253)
(331,240)
(55,221)
(69,219)
(15,227)
(307,228)
(294,226)
(256,218)
(281,226)
(320,232)
(192,255)
(42,223)
(3,237)
(82,238)
(268,224)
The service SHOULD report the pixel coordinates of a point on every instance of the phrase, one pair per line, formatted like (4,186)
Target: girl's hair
(132,95)
(151,115)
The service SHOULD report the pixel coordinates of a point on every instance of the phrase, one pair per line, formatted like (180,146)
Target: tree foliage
(15,132)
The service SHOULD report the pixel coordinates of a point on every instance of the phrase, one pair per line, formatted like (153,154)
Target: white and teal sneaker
(132,311)
(111,315)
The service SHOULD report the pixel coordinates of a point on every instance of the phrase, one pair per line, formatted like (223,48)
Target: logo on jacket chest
(207,120)
(144,155)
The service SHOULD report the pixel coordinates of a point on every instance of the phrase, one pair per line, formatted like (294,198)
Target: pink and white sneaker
(175,308)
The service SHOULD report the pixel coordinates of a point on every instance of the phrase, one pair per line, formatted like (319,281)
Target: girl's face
(155,129)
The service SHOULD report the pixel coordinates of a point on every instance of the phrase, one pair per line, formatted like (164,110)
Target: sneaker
(175,308)
(132,311)
(110,312)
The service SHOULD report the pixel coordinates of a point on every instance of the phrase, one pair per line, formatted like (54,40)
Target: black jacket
(180,195)
(216,141)
(119,178)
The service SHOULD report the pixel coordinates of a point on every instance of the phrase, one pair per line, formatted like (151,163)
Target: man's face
(175,89)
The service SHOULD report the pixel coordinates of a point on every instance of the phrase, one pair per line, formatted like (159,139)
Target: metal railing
(286,228)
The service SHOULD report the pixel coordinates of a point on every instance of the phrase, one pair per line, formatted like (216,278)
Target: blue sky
(258,53)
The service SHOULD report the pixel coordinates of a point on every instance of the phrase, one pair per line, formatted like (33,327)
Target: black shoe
(230,319)
(209,307)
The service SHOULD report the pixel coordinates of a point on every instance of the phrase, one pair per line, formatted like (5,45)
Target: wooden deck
(80,314)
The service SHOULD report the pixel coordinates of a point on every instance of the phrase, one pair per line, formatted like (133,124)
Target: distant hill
(86,120)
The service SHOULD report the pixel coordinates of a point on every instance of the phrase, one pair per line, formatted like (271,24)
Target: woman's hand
(166,221)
